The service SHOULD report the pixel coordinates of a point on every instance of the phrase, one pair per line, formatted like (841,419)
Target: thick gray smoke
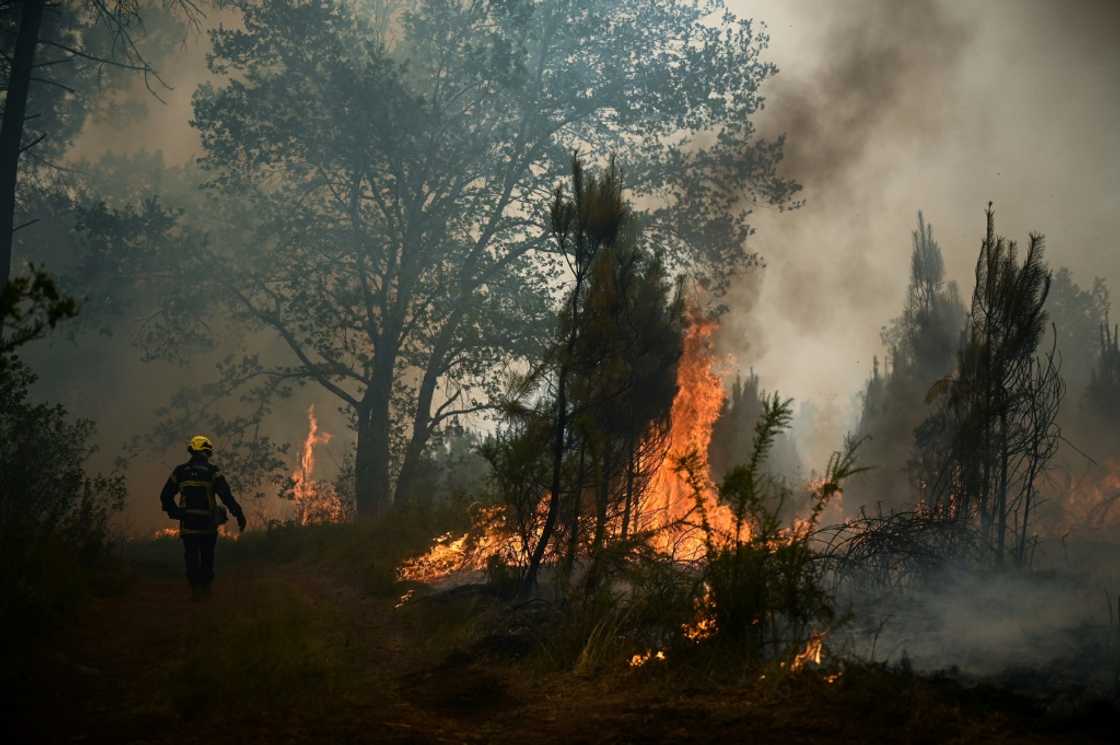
(889,107)
(1055,629)
(886,65)
(893,107)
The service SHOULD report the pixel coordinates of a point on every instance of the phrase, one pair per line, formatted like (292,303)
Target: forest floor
(293,652)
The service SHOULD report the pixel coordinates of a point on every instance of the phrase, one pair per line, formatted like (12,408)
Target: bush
(54,516)
(764,587)
(278,653)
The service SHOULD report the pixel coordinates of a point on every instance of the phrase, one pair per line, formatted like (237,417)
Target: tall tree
(589,222)
(607,385)
(1078,314)
(11,127)
(733,433)
(400,187)
(624,382)
(921,347)
(995,431)
(58,51)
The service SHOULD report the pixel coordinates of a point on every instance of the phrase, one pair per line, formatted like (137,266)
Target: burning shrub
(488,544)
(764,588)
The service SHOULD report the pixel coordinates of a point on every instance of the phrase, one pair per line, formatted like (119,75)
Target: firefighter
(197,482)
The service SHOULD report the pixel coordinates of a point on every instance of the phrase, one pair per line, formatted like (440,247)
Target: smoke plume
(894,107)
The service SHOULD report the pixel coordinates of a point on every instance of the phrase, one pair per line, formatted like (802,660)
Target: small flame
(812,653)
(317,501)
(223,530)
(639,660)
(704,625)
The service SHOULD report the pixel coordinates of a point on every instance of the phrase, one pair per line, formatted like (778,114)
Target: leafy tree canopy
(400,177)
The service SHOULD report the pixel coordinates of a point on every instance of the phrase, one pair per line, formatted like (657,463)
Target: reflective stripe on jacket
(197,483)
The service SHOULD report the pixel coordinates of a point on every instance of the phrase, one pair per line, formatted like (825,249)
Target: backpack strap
(206,483)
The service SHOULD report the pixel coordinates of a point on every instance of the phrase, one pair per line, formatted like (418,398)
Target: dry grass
(297,645)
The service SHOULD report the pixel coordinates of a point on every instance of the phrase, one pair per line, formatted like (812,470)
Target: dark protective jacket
(197,482)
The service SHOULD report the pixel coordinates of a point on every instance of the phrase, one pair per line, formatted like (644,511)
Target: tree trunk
(535,560)
(372,466)
(629,488)
(11,130)
(422,419)
(573,530)
(1001,501)
(408,480)
(372,458)
(417,443)
(530,581)
(602,501)
(364,489)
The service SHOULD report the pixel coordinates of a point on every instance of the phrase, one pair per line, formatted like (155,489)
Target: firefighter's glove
(175,513)
(241,523)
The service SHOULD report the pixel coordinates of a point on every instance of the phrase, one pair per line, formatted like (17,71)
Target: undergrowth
(277,653)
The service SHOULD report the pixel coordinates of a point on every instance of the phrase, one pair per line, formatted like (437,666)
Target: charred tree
(624,382)
(921,345)
(400,239)
(581,226)
(995,430)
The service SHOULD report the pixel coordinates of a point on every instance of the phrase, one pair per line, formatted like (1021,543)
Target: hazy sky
(891,106)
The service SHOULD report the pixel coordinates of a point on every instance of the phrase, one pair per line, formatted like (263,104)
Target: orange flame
(812,653)
(223,530)
(696,407)
(704,625)
(317,502)
(469,552)
(639,660)
(669,511)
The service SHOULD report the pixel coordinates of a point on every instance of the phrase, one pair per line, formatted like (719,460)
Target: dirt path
(295,656)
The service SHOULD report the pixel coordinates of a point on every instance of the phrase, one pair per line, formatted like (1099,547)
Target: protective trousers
(198,550)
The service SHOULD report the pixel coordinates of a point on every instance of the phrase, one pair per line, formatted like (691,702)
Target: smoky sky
(889,106)
(895,106)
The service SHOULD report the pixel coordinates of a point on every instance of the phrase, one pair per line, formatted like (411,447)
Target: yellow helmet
(201,444)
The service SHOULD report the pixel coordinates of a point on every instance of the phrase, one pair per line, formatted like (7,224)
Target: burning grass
(295,639)
(707,565)
(669,517)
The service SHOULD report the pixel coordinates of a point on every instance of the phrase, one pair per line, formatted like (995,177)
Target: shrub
(763,584)
(279,653)
(54,516)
